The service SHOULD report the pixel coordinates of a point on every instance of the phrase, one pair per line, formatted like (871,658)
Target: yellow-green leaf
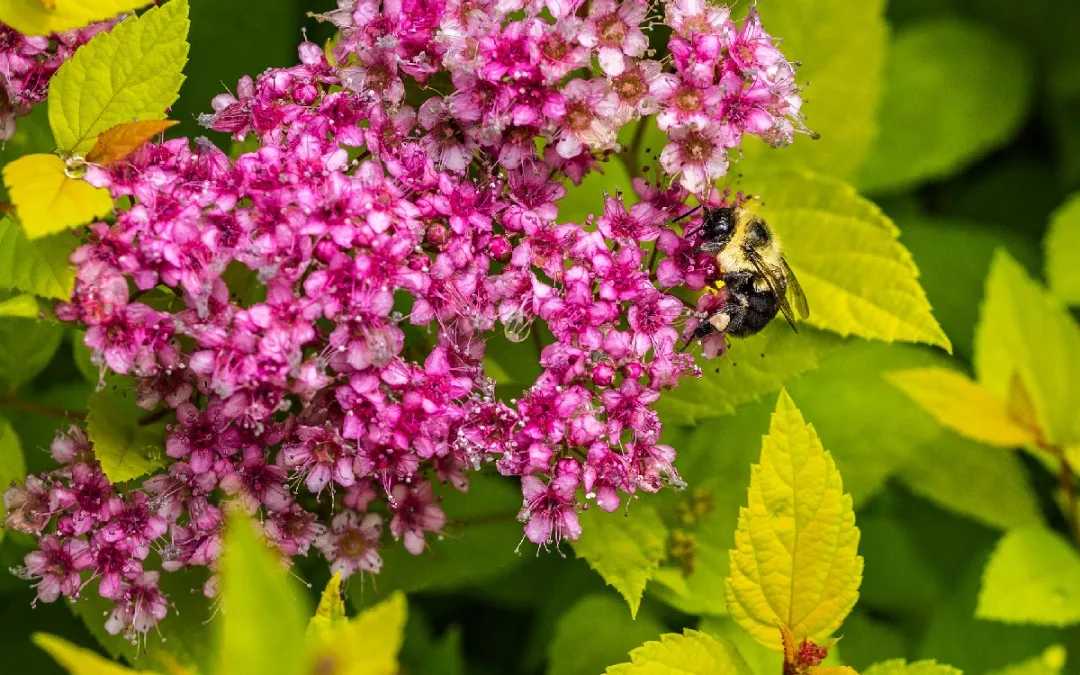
(971,75)
(902,667)
(1062,243)
(858,278)
(626,549)
(12,464)
(595,632)
(1050,662)
(832,670)
(331,609)
(795,559)
(37,17)
(692,653)
(262,627)
(131,73)
(123,139)
(366,645)
(988,485)
(49,201)
(20,306)
(1033,577)
(26,348)
(40,267)
(841,45)
(124,448)
(77,660)
(959,403)
(752,367)
(1026,335)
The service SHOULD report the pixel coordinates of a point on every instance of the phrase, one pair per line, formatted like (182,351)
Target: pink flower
(140,605)
(352,543)
(612,29)
(697,156)
(319,455)
(414,514)
(548,510)
(56,565)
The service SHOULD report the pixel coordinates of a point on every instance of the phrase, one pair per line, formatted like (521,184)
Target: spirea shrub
(311,315)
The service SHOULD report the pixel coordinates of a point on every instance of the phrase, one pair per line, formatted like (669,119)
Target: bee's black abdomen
(759,309)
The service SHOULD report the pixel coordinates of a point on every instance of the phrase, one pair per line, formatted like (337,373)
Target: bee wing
(776,285)
(795,291)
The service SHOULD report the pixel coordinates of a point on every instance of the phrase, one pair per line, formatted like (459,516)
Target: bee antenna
(688,213)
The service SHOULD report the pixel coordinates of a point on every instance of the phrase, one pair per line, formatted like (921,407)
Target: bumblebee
(756,280)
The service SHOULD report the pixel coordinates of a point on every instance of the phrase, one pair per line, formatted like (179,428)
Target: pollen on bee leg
(720,321)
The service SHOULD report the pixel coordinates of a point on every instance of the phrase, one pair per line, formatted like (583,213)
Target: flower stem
(629,157)
(154,416)
(41,408)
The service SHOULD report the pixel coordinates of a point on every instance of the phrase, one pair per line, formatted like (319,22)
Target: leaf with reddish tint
(123,139)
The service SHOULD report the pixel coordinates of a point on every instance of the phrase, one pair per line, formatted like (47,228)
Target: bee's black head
(717,227)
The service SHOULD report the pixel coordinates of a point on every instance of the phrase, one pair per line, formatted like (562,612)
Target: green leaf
(795,559)
(1062,243)
(587,199)
(986,645)
(443,657)
(858,278)
(752,367)
(1033,577)
(331,609)
(1026,333)
(38,17)
(263,614)
(84,358)
(269,37)
(594,633)
(131,73)
(953,91)
(902,667)
(841,45)
(868,638)
(960,404)
(40,267)
(954,283)
(761,659)
(124,448)
(77,660)
(48,200)
(20,307)
(986,484)
(186,632)
(26,347)
(692,653)
(1050,662)
(720,478)
(849,402)
(12,464)
(625,549)
(477,545)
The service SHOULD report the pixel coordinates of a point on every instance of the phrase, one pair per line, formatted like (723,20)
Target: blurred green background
(961,119)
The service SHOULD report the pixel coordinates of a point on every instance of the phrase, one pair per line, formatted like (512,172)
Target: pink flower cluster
(316,312)
(27,63)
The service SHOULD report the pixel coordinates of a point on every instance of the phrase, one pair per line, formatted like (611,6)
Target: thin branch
(1067,484)
(41,408)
